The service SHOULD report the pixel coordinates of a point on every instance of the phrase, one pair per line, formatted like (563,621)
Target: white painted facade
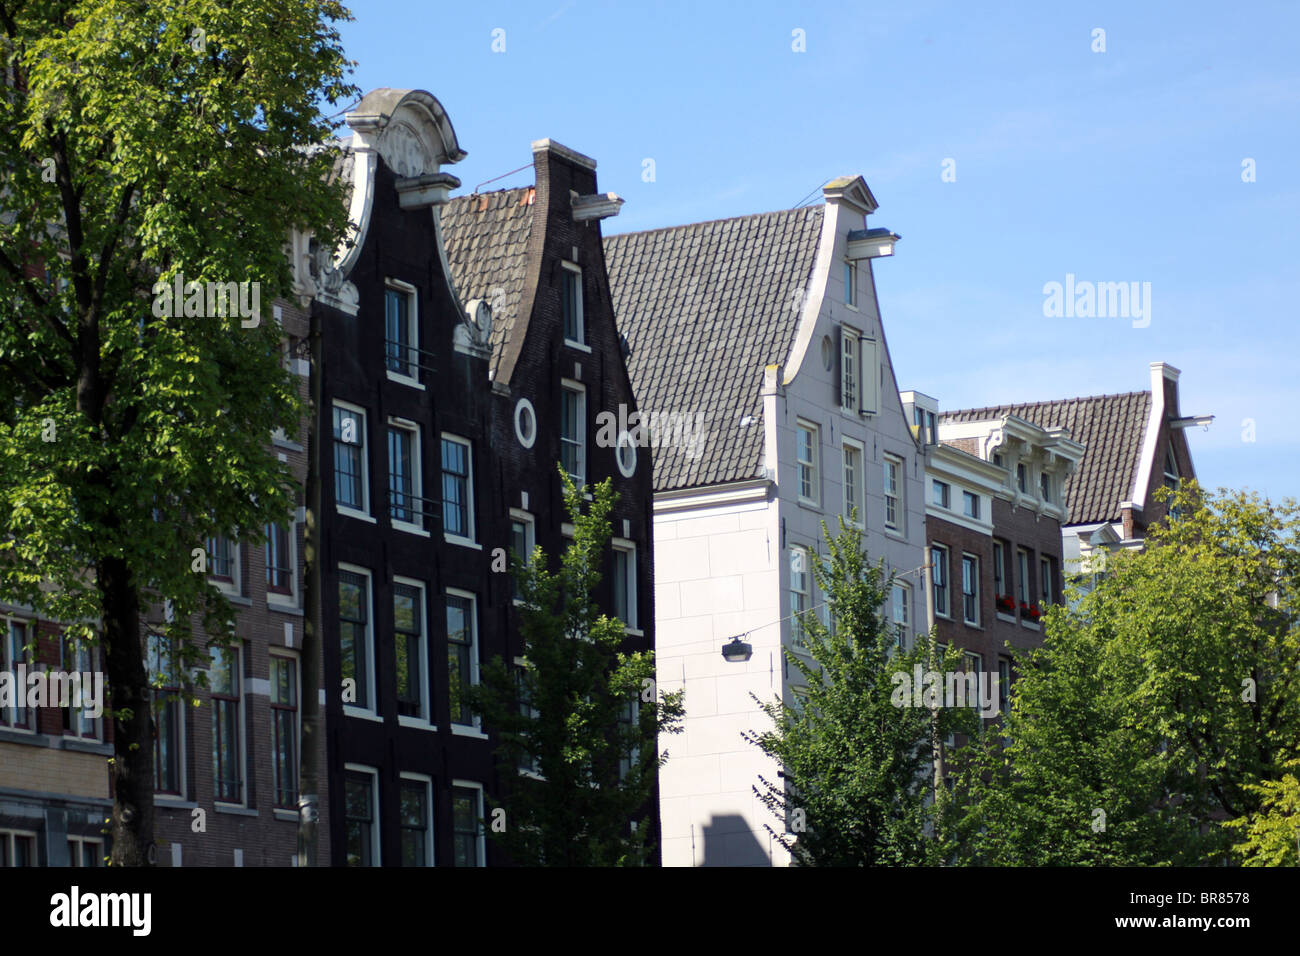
(722,555)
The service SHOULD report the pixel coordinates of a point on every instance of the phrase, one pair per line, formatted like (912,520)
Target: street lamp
(737,651)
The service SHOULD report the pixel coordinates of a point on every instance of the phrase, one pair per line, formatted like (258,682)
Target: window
(1045,486)
(923,419)
(806,454)
(224,684)
(85,852)
(850,385)
(528,762)
(571,303)
(457,489)
(400,331)
(854,510)
(405,501)
(222,557)
(1004,685)
(893,493)
(939,575)
(1171,480)
(628,720)
(624,583)
(15,654)
(525,423)
(462,654)
(279,560)
(522,540)
(408,649)
(356,655)
(467,824)
(999,571)
(350,481)
(17,848)
(167,716)
(77,657)
(970,589)
(850,284)
(799,593)
(413,815)
(902,612)
(1045,579)
(970,504)
(573,431)
(284,729)
(1022,478)
(361,824)
(940,493)
(625,455)
(1022,569)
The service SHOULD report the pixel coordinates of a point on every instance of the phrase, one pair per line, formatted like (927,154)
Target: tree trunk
(132,821)
(312,726)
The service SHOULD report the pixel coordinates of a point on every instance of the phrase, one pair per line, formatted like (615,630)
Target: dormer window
(1045,486)
(1022,478)
(571,304)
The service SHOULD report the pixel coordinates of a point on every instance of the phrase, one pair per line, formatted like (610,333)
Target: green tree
(1159,703)
(1271,835)
(857,756)
(142,143)
(581,715)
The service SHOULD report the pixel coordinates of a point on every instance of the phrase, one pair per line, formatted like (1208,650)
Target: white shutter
(870,377)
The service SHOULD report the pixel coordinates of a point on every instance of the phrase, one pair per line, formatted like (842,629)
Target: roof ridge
(1046,401)
(710,222)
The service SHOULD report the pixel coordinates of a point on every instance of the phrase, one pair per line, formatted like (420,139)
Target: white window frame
(9,833)
(533,770)
(940,557)
(430,840)
(970,504)
(164,797)
(894,477)
(974,564)
(633,624)
(241,729)
(805,557)
(901,638)
(850,370)
(233,587)
(625,455)
(7,659)
(474,729)
(581,341)
(376,850)
(810,468)
(412,331)
(480,824)
(81,842)
(851,284)
(580,392)
(86,659)
(1023,592)
(1004,685)
(284,654)
(470,541)
(359,415)
(416,506)
(423,720)
(1045,581)
(371,710)
(1045,486)
(293,598)
(855,497)
(530,540)
(945,496)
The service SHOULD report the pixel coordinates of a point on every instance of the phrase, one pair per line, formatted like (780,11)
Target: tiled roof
(1110,427)
(486,237)
(705,307)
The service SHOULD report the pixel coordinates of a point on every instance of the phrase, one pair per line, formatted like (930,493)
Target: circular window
(525,423)
(626,454)
(828,352)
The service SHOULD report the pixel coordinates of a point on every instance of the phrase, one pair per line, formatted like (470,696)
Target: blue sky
(1115,166)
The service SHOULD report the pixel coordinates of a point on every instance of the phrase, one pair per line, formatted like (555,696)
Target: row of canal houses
(469,344)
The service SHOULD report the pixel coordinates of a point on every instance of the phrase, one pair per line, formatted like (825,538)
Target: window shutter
(870,378)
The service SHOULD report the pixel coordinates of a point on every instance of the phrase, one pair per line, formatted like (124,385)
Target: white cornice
(693,499)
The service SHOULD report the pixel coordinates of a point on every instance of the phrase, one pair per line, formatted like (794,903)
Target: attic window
(850,284)
(1171,478)
(571,304)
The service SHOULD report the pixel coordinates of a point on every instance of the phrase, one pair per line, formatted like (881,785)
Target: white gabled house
(765,329)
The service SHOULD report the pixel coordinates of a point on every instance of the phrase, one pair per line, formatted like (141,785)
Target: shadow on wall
(728,841)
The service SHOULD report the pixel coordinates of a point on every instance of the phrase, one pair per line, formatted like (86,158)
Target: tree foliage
(1158,706)
(582,715)
(858,770)
(140,142)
